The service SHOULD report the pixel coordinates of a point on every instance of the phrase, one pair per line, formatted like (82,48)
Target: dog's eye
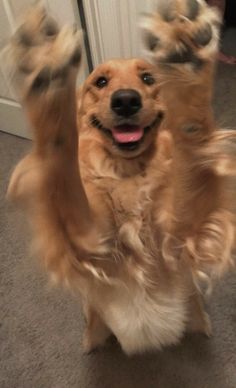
(101,82)
(147,78)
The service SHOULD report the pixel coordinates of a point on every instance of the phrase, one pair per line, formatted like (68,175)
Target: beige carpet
(41,328)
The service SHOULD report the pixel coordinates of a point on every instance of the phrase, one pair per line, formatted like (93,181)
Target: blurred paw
(182,33)
(44,56)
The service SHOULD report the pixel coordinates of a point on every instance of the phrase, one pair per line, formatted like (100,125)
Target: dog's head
(120,102)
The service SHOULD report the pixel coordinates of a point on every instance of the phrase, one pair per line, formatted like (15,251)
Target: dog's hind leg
(96,332)
(199,321)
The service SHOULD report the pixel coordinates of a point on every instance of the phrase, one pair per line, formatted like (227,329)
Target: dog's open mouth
(127,133)
(127,136)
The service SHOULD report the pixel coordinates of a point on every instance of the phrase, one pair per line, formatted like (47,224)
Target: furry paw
(199,320)
(182,33)
(94,339)
(207,328)
(44,56)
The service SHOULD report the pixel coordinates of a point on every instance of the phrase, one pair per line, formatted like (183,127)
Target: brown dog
(146,215)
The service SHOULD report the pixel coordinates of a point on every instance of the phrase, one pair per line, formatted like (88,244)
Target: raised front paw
(182,32)
(44,57)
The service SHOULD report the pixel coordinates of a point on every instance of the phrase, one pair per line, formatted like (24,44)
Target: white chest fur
(141,322)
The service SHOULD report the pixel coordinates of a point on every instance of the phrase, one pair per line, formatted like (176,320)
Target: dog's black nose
(126,102)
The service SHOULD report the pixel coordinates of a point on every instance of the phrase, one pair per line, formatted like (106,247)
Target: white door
(65,11)
(113,27)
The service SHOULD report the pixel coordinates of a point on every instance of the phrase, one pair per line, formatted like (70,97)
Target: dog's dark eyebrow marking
(143,68)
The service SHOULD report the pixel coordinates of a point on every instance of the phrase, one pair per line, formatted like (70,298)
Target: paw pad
(23,37)
(193,9)
(60,74)
(166,10)
(151,41)
(180,56)
(203,36)
(76,57)
(50,28)
(42,80)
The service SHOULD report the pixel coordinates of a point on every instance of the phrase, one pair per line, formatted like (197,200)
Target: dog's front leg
(182,41)
(46,61)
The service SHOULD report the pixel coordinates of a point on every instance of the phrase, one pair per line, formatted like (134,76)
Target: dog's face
(120,102)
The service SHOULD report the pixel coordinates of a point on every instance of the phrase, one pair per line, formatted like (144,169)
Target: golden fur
(138,233)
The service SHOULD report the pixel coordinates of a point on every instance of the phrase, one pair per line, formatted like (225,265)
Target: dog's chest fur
(142,317)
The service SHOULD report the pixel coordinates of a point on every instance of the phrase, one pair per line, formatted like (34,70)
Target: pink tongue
(127,134)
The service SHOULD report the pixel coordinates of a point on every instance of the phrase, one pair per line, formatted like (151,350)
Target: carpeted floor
(41,328)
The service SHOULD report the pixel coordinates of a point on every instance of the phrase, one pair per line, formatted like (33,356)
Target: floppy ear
(220,153)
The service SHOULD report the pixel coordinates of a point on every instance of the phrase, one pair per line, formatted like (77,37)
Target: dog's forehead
(120,68)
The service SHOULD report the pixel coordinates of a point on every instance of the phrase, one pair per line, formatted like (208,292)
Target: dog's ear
(220,153)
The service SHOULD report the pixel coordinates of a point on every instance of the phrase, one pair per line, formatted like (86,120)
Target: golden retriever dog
(128,187)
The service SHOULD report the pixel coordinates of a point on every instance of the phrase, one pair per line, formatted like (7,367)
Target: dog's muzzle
(126,102)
